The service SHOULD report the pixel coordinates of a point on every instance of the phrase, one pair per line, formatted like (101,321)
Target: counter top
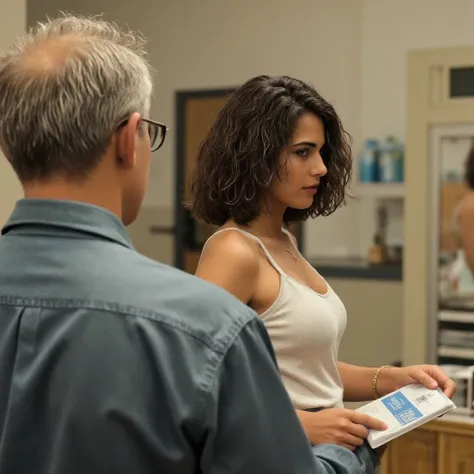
(356,268)
(461,425)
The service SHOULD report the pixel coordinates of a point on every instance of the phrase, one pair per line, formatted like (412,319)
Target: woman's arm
(357,382)
(230,260)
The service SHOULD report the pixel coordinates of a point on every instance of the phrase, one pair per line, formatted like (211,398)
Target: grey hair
(65,87)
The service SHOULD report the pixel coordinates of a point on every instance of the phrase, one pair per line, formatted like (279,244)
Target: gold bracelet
(376,376)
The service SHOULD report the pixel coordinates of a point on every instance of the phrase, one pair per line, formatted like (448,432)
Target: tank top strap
(260,243)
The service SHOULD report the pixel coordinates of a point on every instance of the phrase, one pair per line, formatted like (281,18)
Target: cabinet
(414,453)
(457,453)
(444,446)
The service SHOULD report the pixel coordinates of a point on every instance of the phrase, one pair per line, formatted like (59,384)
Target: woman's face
(302,166)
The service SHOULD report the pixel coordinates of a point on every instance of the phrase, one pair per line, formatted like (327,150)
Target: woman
(278,154)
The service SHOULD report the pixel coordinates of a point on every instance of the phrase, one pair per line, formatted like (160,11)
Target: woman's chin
(301,205)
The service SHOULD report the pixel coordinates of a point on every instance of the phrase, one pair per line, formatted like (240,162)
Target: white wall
(389,30)
(15,11)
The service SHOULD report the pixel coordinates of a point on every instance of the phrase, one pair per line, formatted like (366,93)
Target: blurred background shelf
(379,190)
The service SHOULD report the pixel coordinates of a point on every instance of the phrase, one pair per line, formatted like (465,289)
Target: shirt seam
(212,369)
(218,349)
(220,346)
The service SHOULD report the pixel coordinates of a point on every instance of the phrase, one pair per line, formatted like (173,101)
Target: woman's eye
(303,152)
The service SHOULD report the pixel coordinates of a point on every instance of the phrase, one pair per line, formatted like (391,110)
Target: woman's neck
(266,225)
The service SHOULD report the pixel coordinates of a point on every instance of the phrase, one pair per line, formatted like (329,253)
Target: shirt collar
(60,215)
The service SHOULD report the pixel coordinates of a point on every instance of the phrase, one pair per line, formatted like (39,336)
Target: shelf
(380,190)
(456,352)
(457,316)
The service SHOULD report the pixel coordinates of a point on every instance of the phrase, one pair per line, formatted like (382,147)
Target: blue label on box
(401,408)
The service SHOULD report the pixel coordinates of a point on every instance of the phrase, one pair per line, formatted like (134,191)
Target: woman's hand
(431,376)
(340,426)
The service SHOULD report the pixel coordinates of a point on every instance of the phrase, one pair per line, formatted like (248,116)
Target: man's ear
(126,141)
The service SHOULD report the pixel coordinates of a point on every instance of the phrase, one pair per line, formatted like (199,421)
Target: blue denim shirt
(112,363)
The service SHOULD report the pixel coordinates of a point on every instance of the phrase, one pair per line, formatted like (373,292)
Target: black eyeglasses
(156,130)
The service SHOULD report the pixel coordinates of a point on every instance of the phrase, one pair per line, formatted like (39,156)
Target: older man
(110,362)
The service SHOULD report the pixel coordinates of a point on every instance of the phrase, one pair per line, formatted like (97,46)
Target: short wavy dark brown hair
(240,156)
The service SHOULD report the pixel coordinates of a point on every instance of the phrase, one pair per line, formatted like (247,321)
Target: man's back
(98,343)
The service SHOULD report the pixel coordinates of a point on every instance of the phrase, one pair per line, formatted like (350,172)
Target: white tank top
(305,328)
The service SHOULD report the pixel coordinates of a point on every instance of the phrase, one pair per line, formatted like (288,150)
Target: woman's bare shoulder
(232,247)
(230,259)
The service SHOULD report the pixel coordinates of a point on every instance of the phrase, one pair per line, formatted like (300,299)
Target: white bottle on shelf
(387,162)
(391,161)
